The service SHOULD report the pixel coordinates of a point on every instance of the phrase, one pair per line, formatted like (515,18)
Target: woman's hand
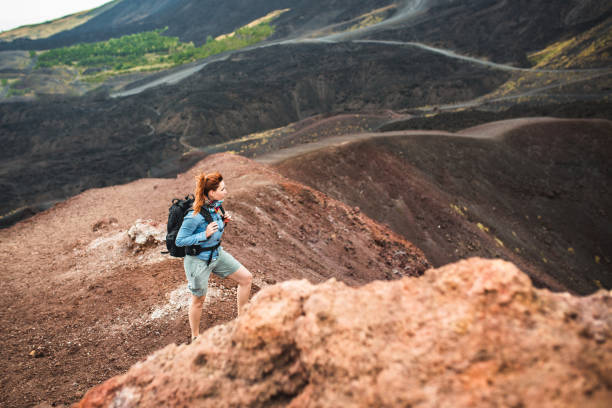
(227,218)
(211,229)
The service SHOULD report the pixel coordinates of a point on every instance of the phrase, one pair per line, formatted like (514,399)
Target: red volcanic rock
(473,333)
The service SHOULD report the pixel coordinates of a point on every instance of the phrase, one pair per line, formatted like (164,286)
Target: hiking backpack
(177,212)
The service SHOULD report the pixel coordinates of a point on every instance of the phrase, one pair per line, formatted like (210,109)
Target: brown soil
(532,191)
(79,306)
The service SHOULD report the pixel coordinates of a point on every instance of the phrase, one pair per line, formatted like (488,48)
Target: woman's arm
(186,237)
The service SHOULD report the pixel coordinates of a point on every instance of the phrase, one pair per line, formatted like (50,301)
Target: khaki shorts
(197,272)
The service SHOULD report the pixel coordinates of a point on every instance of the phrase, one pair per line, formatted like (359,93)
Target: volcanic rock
(473,333)
(146,233)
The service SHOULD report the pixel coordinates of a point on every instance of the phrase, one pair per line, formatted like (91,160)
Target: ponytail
(204,184)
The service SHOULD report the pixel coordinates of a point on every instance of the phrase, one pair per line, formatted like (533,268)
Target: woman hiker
(200,235)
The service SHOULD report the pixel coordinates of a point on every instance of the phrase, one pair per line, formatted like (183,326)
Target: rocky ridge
(473,333)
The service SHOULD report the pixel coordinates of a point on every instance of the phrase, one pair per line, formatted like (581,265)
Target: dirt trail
(496,130)
(491,131)
(294,151)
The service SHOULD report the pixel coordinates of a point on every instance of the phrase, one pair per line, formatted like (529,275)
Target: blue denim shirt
(193,232)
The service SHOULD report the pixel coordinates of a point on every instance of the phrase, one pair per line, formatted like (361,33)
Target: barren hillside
(533,191)
(81,302)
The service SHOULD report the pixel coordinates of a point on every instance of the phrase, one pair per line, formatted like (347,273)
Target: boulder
(146,233)
(472,333)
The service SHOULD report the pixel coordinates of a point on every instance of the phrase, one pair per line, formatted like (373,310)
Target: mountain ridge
(90,301)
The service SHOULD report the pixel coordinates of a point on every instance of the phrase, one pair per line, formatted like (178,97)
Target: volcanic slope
(79,304)
(532,191)
(503,31)
(192,20)
(56,148)
(500,30)
(60,147)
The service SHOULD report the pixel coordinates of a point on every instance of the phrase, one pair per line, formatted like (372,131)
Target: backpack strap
(197,249)
(206,214)
(208,217)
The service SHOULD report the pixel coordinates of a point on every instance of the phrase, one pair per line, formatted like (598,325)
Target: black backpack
(177,212)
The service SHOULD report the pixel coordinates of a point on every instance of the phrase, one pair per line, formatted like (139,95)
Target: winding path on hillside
(492,131)
(451,54)
(410,10)
(486,99)
(172,78)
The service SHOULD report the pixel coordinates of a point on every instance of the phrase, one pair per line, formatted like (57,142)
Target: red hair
(204,184)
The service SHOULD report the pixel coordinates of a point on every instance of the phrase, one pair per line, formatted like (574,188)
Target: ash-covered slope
(470,334)
(500,30)
(81,302)
(532,191)
(59,147)
(503,31)
(195,20)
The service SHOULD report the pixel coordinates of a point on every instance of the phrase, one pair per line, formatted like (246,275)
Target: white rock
(145,232)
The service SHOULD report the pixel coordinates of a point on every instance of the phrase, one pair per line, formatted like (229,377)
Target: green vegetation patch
(116,53)
(146,51)
(243,37)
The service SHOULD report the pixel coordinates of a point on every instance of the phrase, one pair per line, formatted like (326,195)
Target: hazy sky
(15,13)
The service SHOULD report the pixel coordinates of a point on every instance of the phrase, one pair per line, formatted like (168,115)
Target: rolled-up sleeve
(186,237)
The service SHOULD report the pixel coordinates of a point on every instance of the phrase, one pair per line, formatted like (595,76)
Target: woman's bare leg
(195,313)
(244,279)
